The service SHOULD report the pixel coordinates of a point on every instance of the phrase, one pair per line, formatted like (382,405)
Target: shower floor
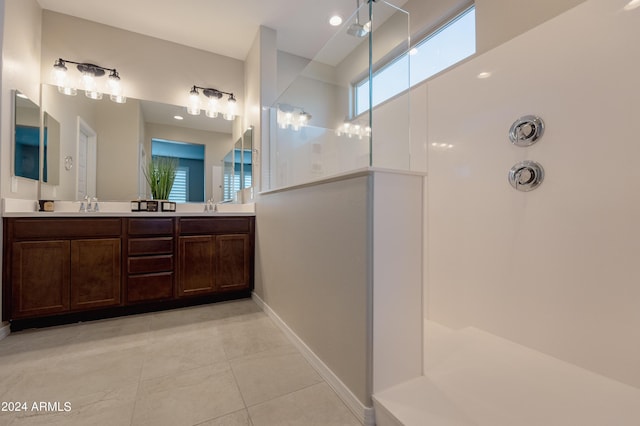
(473,378)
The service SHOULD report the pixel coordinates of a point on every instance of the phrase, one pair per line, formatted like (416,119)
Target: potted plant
(160,174)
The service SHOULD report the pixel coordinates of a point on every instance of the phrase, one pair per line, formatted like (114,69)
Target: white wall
(396,246)
(313,268)
(21,31)
(554,269)
(20,36)
(499,21)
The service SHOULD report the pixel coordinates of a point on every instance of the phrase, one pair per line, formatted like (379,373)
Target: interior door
(87,161)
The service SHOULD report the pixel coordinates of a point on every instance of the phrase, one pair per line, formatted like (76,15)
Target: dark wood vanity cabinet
(61,265)
(54,267)
(215,256)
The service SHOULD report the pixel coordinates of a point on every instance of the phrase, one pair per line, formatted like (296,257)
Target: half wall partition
(339,233)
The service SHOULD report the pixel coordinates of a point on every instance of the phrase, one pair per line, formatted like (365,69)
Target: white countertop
(12,207)
(124,214)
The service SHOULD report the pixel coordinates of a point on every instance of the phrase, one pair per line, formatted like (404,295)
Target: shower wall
(554,269)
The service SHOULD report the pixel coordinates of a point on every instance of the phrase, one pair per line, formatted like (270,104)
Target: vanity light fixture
(353,130)
(213,107)
(292,117)
(88,80)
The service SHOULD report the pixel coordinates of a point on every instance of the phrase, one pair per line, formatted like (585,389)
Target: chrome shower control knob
(526,176)
(526,130)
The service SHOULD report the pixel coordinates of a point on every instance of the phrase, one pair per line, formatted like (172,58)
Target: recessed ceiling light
(632,5)
(335,20)
(178,117)
(484,75)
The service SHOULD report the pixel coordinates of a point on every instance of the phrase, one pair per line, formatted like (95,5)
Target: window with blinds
(180,191)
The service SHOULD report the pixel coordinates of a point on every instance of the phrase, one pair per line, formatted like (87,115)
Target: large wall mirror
(107,143)
(26,137)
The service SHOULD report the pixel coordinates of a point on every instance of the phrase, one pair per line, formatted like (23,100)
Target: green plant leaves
(160,174)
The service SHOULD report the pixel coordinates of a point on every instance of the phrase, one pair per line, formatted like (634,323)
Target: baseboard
(5,330)
(364,414)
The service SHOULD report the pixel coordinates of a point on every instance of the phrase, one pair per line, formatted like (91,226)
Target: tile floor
(212,365)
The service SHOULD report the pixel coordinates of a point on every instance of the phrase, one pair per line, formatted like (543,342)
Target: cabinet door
(95,273)
(233,261)
(39,278)
(197,268)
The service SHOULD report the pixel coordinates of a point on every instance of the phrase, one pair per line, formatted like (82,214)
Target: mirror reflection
(111,142)
(247,156)
(51,149)
(188,185)
(238,167)
(26,134)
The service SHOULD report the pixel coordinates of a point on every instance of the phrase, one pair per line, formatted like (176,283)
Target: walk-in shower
(343,133)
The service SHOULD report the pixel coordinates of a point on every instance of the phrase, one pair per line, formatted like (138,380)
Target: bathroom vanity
(79,267)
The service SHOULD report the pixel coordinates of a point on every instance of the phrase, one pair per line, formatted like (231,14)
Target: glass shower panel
(316,128)
(389,88)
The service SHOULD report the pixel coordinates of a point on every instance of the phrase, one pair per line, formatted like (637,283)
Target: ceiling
(220,26)
(224,27)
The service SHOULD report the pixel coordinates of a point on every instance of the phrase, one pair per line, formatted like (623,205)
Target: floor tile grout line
(138,388)
(289,393)
(235,379)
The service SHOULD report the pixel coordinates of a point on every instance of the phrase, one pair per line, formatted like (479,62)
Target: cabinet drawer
(150,287)
(227,225)
(146,264)
(66,228)
(150,226)
(160,245)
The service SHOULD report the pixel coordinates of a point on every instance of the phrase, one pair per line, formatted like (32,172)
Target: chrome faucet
(209,206)
(84,204)
(89,204)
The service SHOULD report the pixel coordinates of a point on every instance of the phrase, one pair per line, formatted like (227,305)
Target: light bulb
(115,87)
(303,118)
(61,79)
(67,90)
(88,83)
(212,107)
(193,107)
(60,75)
(231,108)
